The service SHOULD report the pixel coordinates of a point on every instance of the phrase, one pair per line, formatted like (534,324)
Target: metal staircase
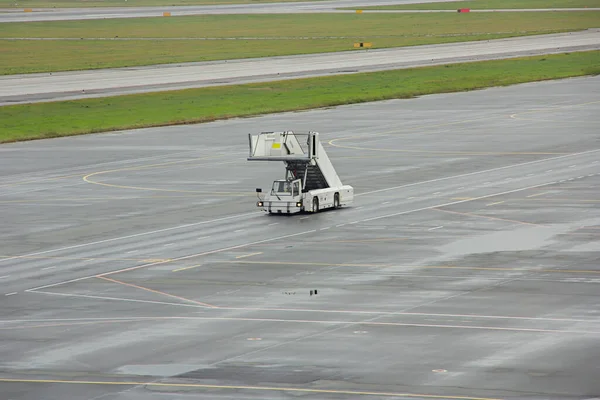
(302,153)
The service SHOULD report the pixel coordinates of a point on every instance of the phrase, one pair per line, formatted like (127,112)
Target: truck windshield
(282,188)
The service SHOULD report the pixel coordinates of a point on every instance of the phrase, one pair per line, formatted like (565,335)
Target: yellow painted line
(240,387)
(487,217)
(156,291)
(35,180)
(537,194)
(184,268)
(249,255)
(87,179)
(493,204)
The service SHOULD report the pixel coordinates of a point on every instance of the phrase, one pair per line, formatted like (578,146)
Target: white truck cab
(310,183)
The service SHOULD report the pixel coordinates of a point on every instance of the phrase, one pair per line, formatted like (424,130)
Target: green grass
(491,4)
(127,3)
(64,118)
(147,41)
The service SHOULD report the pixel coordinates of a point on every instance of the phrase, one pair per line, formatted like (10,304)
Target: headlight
(259,204)
(299,204)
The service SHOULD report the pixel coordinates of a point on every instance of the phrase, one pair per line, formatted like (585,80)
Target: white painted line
(595,162)
(437,227)
(590,175)
(135,235)
(549,170)
(457,202)
(530,174)
(385,202)
(239,230)
(410,198)
(274,223)
(339,226)
(358,208)
(43,269)
(304,217)
(436,193)
(572,166)
(168,244)
(460,188)
(5,276)
(493,204)
(487,183)
(479,172)
(582,176)
(10,294)
(132,251)
(203,237)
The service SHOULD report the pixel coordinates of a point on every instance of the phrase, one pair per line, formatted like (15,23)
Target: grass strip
(489,5)
(45,120)
(128,3)
(115,43)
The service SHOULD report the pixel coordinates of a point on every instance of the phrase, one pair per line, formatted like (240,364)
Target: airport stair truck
(310,182)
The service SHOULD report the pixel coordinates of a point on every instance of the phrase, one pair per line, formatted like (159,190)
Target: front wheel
(315,205)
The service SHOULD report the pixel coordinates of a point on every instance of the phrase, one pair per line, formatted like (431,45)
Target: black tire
(315,206)
(336,200)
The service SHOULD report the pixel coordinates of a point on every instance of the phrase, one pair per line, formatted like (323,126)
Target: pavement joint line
(479,172)
(157,292)
(241,387)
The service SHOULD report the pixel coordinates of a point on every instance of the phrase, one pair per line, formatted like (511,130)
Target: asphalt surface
(136,266)
(16,89)
(62,14)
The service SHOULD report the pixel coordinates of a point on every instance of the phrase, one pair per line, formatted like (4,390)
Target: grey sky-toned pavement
(15,89)
(136,266)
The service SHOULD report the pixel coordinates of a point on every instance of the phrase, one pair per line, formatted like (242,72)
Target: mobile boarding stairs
(310,182)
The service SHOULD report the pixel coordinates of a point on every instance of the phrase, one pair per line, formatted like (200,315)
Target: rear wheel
(315,206)
(336,200)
